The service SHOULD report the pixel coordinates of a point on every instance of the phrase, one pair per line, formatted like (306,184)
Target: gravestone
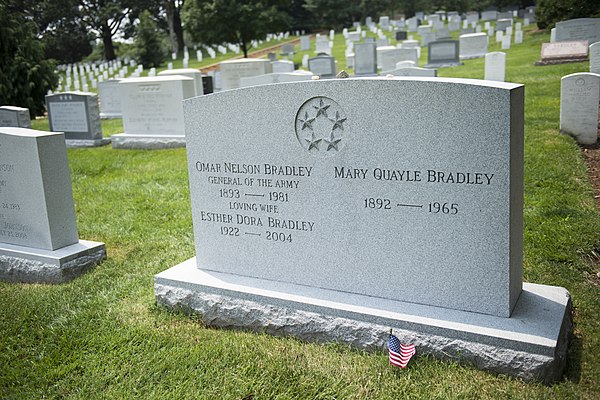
(453,26)
(443,53)
(77,115)
(405,64)
(365,59)
(287,49)
(578,29)
(207,84)
(414,71)
(322,66)
(443,33)
(354,36)
(473,45)
(595,58)
(579,98)
(489,15)
(563,52)
(275,77)
(502,24)
(389,57)
(38,228)
(110,102)
(495,66)
(364,216)
(401,35)
(304,43)
(424,29)
(233,70)
(427,38)
(281,66)
(195,74)
(17,117)
(153,112)
(518,37)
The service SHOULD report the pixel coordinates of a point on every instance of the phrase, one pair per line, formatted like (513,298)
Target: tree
(149,42)
(549,12)
(334,14)
(229,21)
(25,75)
(173,10)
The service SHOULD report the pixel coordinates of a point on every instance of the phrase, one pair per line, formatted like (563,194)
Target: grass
(102,336)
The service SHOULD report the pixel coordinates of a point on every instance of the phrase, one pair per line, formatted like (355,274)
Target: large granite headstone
(579,97)
(17,117)
(110,100)
(330,218)
(443,53)
(414,71)
(365,59)
(38,229)
(495,66)
(153,112)
(275,77)
(77,115)
(473,45)
(195,74)
(233,70)
(578,29)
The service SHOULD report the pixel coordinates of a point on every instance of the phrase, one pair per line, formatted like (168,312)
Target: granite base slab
(30,265)
(443,65)
(110,115)
(79,143)
(557,61)
(531,344)
(126,141)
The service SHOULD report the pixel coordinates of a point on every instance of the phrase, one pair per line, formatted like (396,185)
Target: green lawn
(102,336)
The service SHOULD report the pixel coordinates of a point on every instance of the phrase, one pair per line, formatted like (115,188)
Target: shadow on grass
(573,372)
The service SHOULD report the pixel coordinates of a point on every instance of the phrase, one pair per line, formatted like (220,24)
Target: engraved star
(333,143)
(313,142)
(337,123)
(306,122)
(321,109)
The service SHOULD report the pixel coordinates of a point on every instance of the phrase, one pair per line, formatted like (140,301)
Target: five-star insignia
(321,109)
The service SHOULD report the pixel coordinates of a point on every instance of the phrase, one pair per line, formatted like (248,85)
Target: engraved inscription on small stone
(68,116)
(321,126)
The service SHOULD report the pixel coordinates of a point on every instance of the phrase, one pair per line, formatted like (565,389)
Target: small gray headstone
(579,98)
(323,66)
(110,102)
(304,43)
(502,24)
(495,66)
(233,70)
(15,116)
(77,115)
(443,53)
(473,45)
(401,35)
(365,59)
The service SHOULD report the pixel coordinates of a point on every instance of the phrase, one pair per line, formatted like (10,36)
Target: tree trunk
(244,48)
(109,49)
(175,28)
(178,30)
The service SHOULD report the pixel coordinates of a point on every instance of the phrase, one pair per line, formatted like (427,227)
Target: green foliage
(549,12)
(25,75)
(215,22)
(149,42)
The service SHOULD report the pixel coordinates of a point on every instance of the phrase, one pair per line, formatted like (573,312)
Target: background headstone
(579,98)
(323,66)
(110,102)
(365,59)
(77,115)
(195,74)
(473,45)
(595,58)
(495,66)
(18,117)
(38,228)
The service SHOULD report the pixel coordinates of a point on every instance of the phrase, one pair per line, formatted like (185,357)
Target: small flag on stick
(400,353)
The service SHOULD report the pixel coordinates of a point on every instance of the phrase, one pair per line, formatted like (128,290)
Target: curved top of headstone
(162,78)
(179,71)
(470,35)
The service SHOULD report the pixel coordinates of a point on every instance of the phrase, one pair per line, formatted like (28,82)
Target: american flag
(400,354)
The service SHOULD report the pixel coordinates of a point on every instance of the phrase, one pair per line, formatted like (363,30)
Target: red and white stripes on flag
(400,353)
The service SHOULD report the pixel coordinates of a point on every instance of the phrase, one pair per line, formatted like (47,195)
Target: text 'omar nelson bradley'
(255,169)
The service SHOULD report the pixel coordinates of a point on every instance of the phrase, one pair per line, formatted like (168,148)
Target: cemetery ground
(102,334)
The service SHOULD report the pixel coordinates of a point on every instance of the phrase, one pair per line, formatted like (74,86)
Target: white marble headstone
(495,66)
(579,98)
